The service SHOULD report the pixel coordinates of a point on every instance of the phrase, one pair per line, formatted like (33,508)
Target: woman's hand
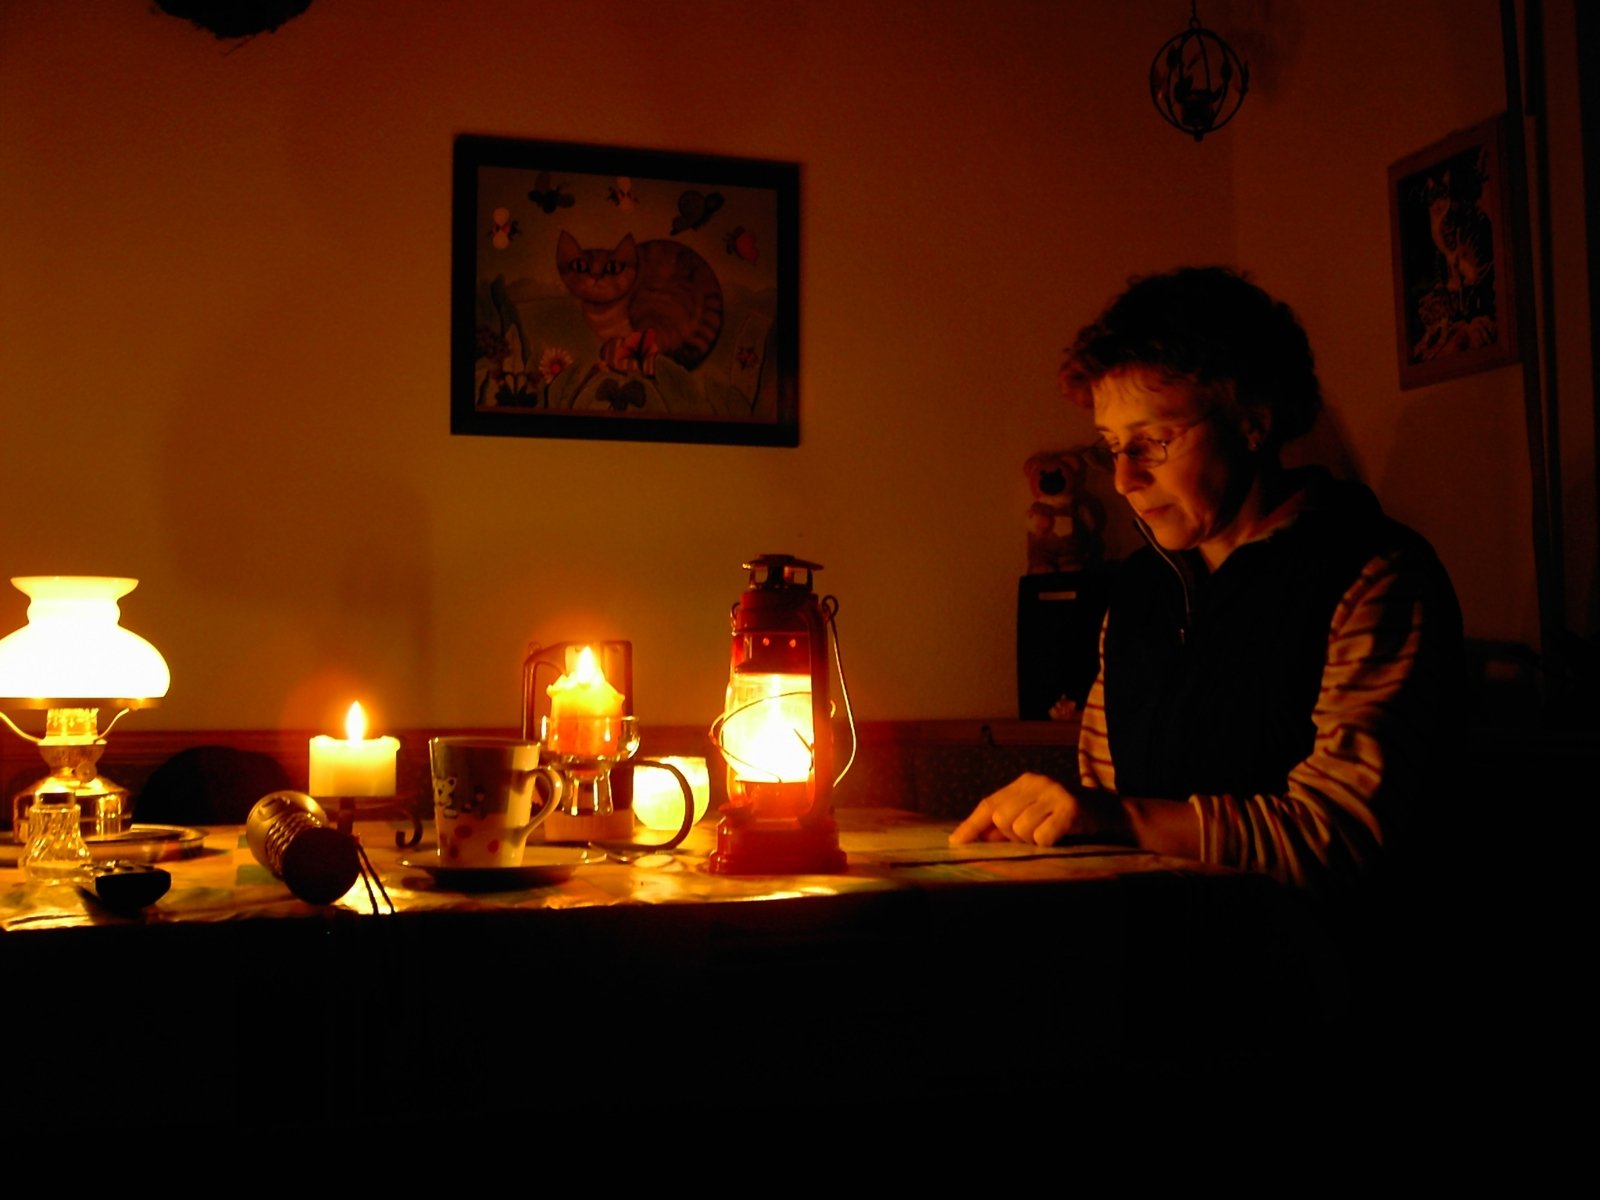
(1040,811)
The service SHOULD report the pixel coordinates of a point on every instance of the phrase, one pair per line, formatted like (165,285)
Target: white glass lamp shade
(74,649)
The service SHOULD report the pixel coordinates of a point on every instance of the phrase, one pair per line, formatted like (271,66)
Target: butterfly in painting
(504,228)
(695,209)
(621,396)
(621,194)
(741,243)
(547,197)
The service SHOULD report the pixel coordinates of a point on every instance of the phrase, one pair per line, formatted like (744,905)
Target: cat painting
(1462,234)
(1458,313)
(644,299)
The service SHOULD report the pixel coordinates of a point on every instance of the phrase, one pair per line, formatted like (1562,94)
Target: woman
(1278,664)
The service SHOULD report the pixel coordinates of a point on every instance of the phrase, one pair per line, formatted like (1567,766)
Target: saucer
(540,866)
(137,843)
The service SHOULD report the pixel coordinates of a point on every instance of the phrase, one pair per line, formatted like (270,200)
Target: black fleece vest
(1211,679)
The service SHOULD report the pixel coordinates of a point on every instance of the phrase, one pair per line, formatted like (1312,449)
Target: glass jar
(56,850)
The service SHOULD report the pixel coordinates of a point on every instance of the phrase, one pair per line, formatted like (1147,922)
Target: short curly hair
(1209,326)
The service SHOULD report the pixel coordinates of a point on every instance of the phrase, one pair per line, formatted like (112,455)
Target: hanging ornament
(235,18)
(1197,80)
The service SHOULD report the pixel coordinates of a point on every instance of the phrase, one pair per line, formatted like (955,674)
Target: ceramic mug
(484,790)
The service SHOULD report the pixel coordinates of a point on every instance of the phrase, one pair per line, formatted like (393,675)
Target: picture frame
(603,292)
(1453,232)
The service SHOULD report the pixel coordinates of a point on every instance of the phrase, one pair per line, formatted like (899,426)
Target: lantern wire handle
(830,609)
(724,718)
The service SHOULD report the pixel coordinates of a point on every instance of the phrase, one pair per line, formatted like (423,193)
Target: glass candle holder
(56,850)
(586,749)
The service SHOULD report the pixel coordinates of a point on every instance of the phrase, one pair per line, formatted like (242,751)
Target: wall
(224,313)
(1342,92)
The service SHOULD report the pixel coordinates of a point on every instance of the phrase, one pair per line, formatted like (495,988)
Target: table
(920,973)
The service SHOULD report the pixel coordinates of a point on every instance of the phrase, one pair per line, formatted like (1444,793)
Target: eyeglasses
(1141,451)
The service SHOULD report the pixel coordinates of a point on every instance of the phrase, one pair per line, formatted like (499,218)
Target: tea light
(579,706)
(657,798)
(354,765)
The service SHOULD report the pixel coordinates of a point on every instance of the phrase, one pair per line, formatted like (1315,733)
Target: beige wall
(1346,90)
(224,314)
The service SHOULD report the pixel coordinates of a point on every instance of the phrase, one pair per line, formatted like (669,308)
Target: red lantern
(775,733)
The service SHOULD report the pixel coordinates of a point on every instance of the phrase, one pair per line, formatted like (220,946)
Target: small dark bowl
(130,886)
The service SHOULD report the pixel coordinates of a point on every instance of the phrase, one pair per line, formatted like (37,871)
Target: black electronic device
(1058,637)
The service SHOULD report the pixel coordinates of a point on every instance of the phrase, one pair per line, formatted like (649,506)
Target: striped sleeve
(1095,768)
(1374,721)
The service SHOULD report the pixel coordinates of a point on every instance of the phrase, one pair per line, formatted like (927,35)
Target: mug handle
(558,791)
(683,830)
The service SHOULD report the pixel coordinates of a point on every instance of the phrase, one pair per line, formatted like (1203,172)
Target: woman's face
(1192,500)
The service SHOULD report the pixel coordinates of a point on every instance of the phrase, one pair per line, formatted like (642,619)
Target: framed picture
(1451,227)
(642,295)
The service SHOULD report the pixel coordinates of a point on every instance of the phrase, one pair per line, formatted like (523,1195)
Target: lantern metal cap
(780,571)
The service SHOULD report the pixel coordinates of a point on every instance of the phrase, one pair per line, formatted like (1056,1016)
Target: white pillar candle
(583,708)
(354,765)
(584,693)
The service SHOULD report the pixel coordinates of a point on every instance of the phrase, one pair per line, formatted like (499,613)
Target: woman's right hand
(1041,811)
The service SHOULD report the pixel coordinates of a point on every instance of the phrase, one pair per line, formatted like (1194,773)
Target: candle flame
(770,737)
(355,723)
(585,693)
(587,669)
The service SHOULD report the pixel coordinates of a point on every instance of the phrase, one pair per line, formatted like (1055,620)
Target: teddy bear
(1064,520)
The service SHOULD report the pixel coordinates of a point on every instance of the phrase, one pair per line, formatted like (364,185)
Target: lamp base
(103,807)
(777,848)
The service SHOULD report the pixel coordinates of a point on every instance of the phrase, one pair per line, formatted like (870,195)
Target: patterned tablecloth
(218,879)
(233,1002)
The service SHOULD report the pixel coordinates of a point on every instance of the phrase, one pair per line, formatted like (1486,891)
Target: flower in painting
(515,387)
(504,376)
(491,345)
(552,362)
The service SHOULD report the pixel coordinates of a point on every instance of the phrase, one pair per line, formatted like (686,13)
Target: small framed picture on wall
(1452,231)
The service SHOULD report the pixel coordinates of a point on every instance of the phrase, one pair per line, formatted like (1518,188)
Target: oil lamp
(72,659)
(775,732)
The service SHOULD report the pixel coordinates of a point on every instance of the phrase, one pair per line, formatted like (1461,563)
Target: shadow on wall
(1325,446)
